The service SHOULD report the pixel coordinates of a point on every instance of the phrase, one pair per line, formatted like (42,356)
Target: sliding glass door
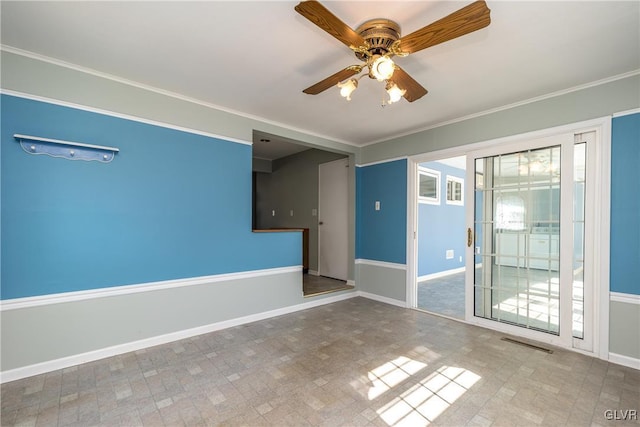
(526,239)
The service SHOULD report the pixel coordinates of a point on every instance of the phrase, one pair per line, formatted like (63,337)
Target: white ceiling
(256,57)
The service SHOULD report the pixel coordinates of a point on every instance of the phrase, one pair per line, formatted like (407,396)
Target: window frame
(458,180)
(433,174)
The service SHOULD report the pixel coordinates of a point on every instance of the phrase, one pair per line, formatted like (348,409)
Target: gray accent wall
(624,327)
(41,338)
(387,282)
(54,331)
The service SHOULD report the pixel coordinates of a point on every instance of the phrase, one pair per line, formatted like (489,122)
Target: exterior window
(455,190)
(429,186)
(510,213)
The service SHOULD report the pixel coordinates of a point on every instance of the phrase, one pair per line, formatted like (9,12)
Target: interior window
(454,190)
(429,186)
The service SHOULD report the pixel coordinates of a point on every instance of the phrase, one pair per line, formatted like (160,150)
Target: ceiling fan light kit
(382,68)
(376,41)
(395,93)
(347,87)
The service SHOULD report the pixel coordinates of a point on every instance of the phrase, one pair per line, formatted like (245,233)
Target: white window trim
(459,180)
(435,174)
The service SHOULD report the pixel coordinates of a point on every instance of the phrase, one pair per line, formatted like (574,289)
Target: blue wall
(625,204)
(170,205)
(441,227)
(382,235)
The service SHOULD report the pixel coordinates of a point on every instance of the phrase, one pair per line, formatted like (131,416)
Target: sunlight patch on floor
(389,375)
(426,400)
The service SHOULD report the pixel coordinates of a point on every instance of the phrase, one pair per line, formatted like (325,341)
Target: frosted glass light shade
(347,88)
(382,68)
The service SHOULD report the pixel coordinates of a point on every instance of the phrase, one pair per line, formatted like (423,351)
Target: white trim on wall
(602,230)
(395,159)
(626,298)
(383,264)
(119,115)
(111,77)
(27,302)
(76,359)
(514,105)
(627,112)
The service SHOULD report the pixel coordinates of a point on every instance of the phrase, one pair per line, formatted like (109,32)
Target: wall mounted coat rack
(66,149)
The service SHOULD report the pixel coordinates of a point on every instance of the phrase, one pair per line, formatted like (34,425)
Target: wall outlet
(273,213)
(460,258)
(291,212)
(377,205)
(314,212)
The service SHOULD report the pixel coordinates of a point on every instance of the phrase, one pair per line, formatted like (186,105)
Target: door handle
(469,237)
(320,223)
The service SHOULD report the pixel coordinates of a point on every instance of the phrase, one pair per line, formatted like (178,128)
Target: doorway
(333,219)
(532,265)
(441,249)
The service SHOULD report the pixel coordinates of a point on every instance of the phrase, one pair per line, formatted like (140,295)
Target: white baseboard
(627,361)
(383,264)
(380,298)
(313,273)
(77,359)
(441,274)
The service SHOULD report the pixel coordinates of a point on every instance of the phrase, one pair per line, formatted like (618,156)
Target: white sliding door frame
(600,178)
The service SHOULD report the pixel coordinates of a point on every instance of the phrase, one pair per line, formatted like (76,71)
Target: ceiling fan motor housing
(380,34)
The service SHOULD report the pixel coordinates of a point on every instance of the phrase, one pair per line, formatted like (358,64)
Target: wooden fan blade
(332,80)
(414,90)
(323,18)
(466,20)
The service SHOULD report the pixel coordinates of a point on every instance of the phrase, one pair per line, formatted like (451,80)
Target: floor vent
(526,344)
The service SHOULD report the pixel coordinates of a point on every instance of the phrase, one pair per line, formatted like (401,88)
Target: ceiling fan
(376,41)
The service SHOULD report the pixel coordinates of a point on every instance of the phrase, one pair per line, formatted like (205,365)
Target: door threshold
(329,291)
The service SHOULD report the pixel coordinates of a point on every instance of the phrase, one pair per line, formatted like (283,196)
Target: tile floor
(356,362)
(444,295)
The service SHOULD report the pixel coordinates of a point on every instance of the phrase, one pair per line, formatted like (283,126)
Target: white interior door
(333,221)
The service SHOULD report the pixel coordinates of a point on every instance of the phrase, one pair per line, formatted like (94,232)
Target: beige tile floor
(356,362)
